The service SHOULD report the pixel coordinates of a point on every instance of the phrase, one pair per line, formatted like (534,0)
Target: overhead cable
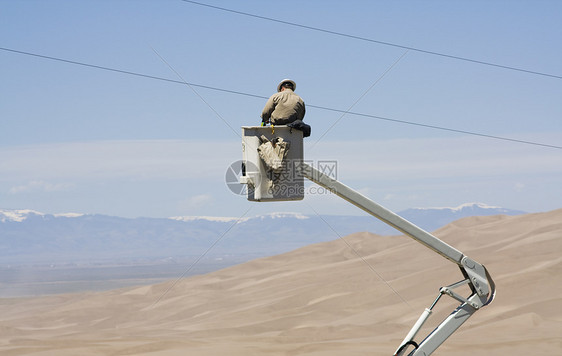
(195,91)
(438,127)
(125,72)
(359,99)
(265,97)
(360,38)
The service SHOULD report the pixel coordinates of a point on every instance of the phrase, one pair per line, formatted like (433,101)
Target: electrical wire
(196,92)
(341,34)
(440,128)
(358,100)
(435,127)
(126,72)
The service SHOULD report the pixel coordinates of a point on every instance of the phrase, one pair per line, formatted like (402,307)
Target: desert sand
(358,295)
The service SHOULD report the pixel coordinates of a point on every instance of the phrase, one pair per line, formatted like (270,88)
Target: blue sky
(80,139)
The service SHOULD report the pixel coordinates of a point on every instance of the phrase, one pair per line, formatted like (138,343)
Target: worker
(285,106)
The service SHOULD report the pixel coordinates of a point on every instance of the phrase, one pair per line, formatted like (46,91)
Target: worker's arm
(301,111)
(268,109)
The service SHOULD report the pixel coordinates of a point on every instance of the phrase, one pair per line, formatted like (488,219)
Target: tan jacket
(283,108)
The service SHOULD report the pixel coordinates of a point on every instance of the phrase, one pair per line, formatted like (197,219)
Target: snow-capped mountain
(240,220)
(433,218)
(20,215)
(28,236)
(16,215)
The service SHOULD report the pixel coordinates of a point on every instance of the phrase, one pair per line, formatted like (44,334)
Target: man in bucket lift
(284,107)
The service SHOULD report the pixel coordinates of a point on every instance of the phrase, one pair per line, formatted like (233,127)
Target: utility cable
(440,128)
(358,100)
(195,91)
(341,34)
(435,127)
(121,71)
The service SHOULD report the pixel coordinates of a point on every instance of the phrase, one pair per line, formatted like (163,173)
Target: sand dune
(324,299)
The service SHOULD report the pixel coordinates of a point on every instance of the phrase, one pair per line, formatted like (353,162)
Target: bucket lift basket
(272,159)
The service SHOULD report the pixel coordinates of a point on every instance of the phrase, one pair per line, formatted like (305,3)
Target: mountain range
(31,237)
(329,299)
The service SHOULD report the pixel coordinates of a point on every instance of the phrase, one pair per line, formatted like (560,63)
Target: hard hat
(286,81)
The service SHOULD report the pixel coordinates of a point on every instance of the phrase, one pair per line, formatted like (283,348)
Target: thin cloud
(40,186)
(106,160)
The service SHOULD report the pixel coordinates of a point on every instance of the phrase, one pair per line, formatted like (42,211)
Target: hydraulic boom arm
(474,274)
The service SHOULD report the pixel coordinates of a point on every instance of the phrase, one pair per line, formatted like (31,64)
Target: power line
(440,128)
(360,38)
(126,72)
(265,97)
(195,91)
(359,99)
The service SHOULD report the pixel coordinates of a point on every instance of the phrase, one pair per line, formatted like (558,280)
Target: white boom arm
(475,275)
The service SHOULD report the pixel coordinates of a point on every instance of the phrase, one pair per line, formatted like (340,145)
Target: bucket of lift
(271,163)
